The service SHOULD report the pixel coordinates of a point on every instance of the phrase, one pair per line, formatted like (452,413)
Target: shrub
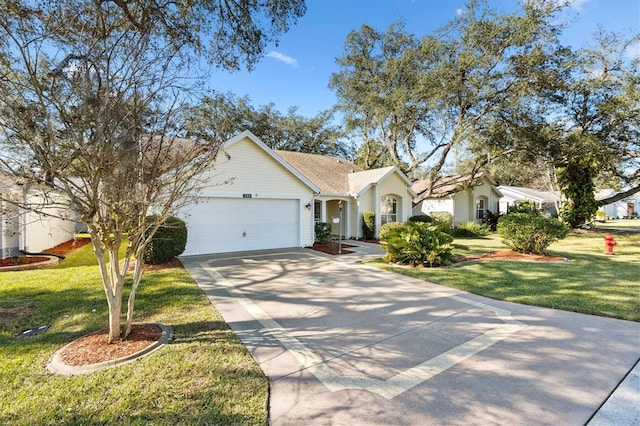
(526,233)
(470,230)
(416,243)
(442,217)
(423,218)
(443,220)
(368,225)
(168,242)
(524,206)
(323,232)
(492,219)
(386,228)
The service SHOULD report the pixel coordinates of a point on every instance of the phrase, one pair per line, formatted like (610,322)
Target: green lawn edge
(204,376)
(590,282)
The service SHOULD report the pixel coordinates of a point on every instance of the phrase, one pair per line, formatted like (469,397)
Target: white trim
(384,177)
(241,195)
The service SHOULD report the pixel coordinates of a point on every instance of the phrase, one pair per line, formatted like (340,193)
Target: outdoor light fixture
(308,206)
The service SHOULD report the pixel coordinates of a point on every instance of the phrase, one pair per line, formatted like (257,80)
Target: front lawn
(205,376)
(620,224)
(591,282)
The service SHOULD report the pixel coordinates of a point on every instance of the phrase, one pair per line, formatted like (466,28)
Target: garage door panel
(218,225)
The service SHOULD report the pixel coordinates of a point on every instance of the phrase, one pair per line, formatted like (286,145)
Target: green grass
(621,224)
(591,282)
(205,376)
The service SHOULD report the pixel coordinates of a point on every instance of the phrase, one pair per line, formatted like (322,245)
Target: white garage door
(218,225)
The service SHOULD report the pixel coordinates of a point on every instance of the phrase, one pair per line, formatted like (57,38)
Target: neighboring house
(274,198)
(624,208)
(546,201)
(31,230)
(466,199)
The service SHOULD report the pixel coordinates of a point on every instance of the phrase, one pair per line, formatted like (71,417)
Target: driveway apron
(347,344)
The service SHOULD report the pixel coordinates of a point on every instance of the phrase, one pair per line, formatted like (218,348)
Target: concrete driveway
(343,343)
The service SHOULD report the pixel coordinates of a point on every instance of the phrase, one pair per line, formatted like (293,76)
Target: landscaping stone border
(57,366)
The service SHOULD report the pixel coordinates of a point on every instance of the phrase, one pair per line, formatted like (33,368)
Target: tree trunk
(112,282)
(137,275)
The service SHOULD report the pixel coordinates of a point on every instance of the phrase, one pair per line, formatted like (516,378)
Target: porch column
(347,222)
(376,209)
(323,211)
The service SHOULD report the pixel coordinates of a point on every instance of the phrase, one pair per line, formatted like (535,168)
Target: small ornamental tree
(90,100)
(526,233)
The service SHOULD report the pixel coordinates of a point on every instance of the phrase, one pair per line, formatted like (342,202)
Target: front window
(480,209)
(317,211)
(389,210)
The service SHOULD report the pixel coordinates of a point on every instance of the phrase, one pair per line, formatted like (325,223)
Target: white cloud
(577,4)
(283,58)
(460,12)
(633,51)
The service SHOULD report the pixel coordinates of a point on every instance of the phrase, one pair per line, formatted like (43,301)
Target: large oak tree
(424,98)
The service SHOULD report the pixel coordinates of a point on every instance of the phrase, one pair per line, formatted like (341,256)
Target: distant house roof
(536,195)
(444,186)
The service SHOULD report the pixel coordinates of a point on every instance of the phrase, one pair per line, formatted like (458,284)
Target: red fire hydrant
(609,243)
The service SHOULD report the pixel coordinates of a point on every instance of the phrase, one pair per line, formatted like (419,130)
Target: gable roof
(337,176)
(327,173)
(248,135)
(359,182)
(444,186)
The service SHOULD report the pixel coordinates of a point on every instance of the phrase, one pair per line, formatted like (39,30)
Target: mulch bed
(22,260)
(60,250)
(511,255)
(68,246)
(95,347)
(331,248)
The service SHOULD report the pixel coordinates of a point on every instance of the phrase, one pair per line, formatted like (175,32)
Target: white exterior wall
(43,232)
(32,231)
(464,210)
(432,205)
(251,170)
(397,187)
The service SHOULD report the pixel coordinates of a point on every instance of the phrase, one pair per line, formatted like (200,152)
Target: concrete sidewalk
(343,343)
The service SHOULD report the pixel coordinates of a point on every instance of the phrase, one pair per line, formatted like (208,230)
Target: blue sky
(296,72)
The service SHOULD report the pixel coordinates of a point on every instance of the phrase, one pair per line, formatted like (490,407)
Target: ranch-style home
(257,198)
(467,199)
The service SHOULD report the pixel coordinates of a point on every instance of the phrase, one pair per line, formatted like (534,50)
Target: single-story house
(546,201)
(624,208)
(42,226)
(467,199)
(257,198)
